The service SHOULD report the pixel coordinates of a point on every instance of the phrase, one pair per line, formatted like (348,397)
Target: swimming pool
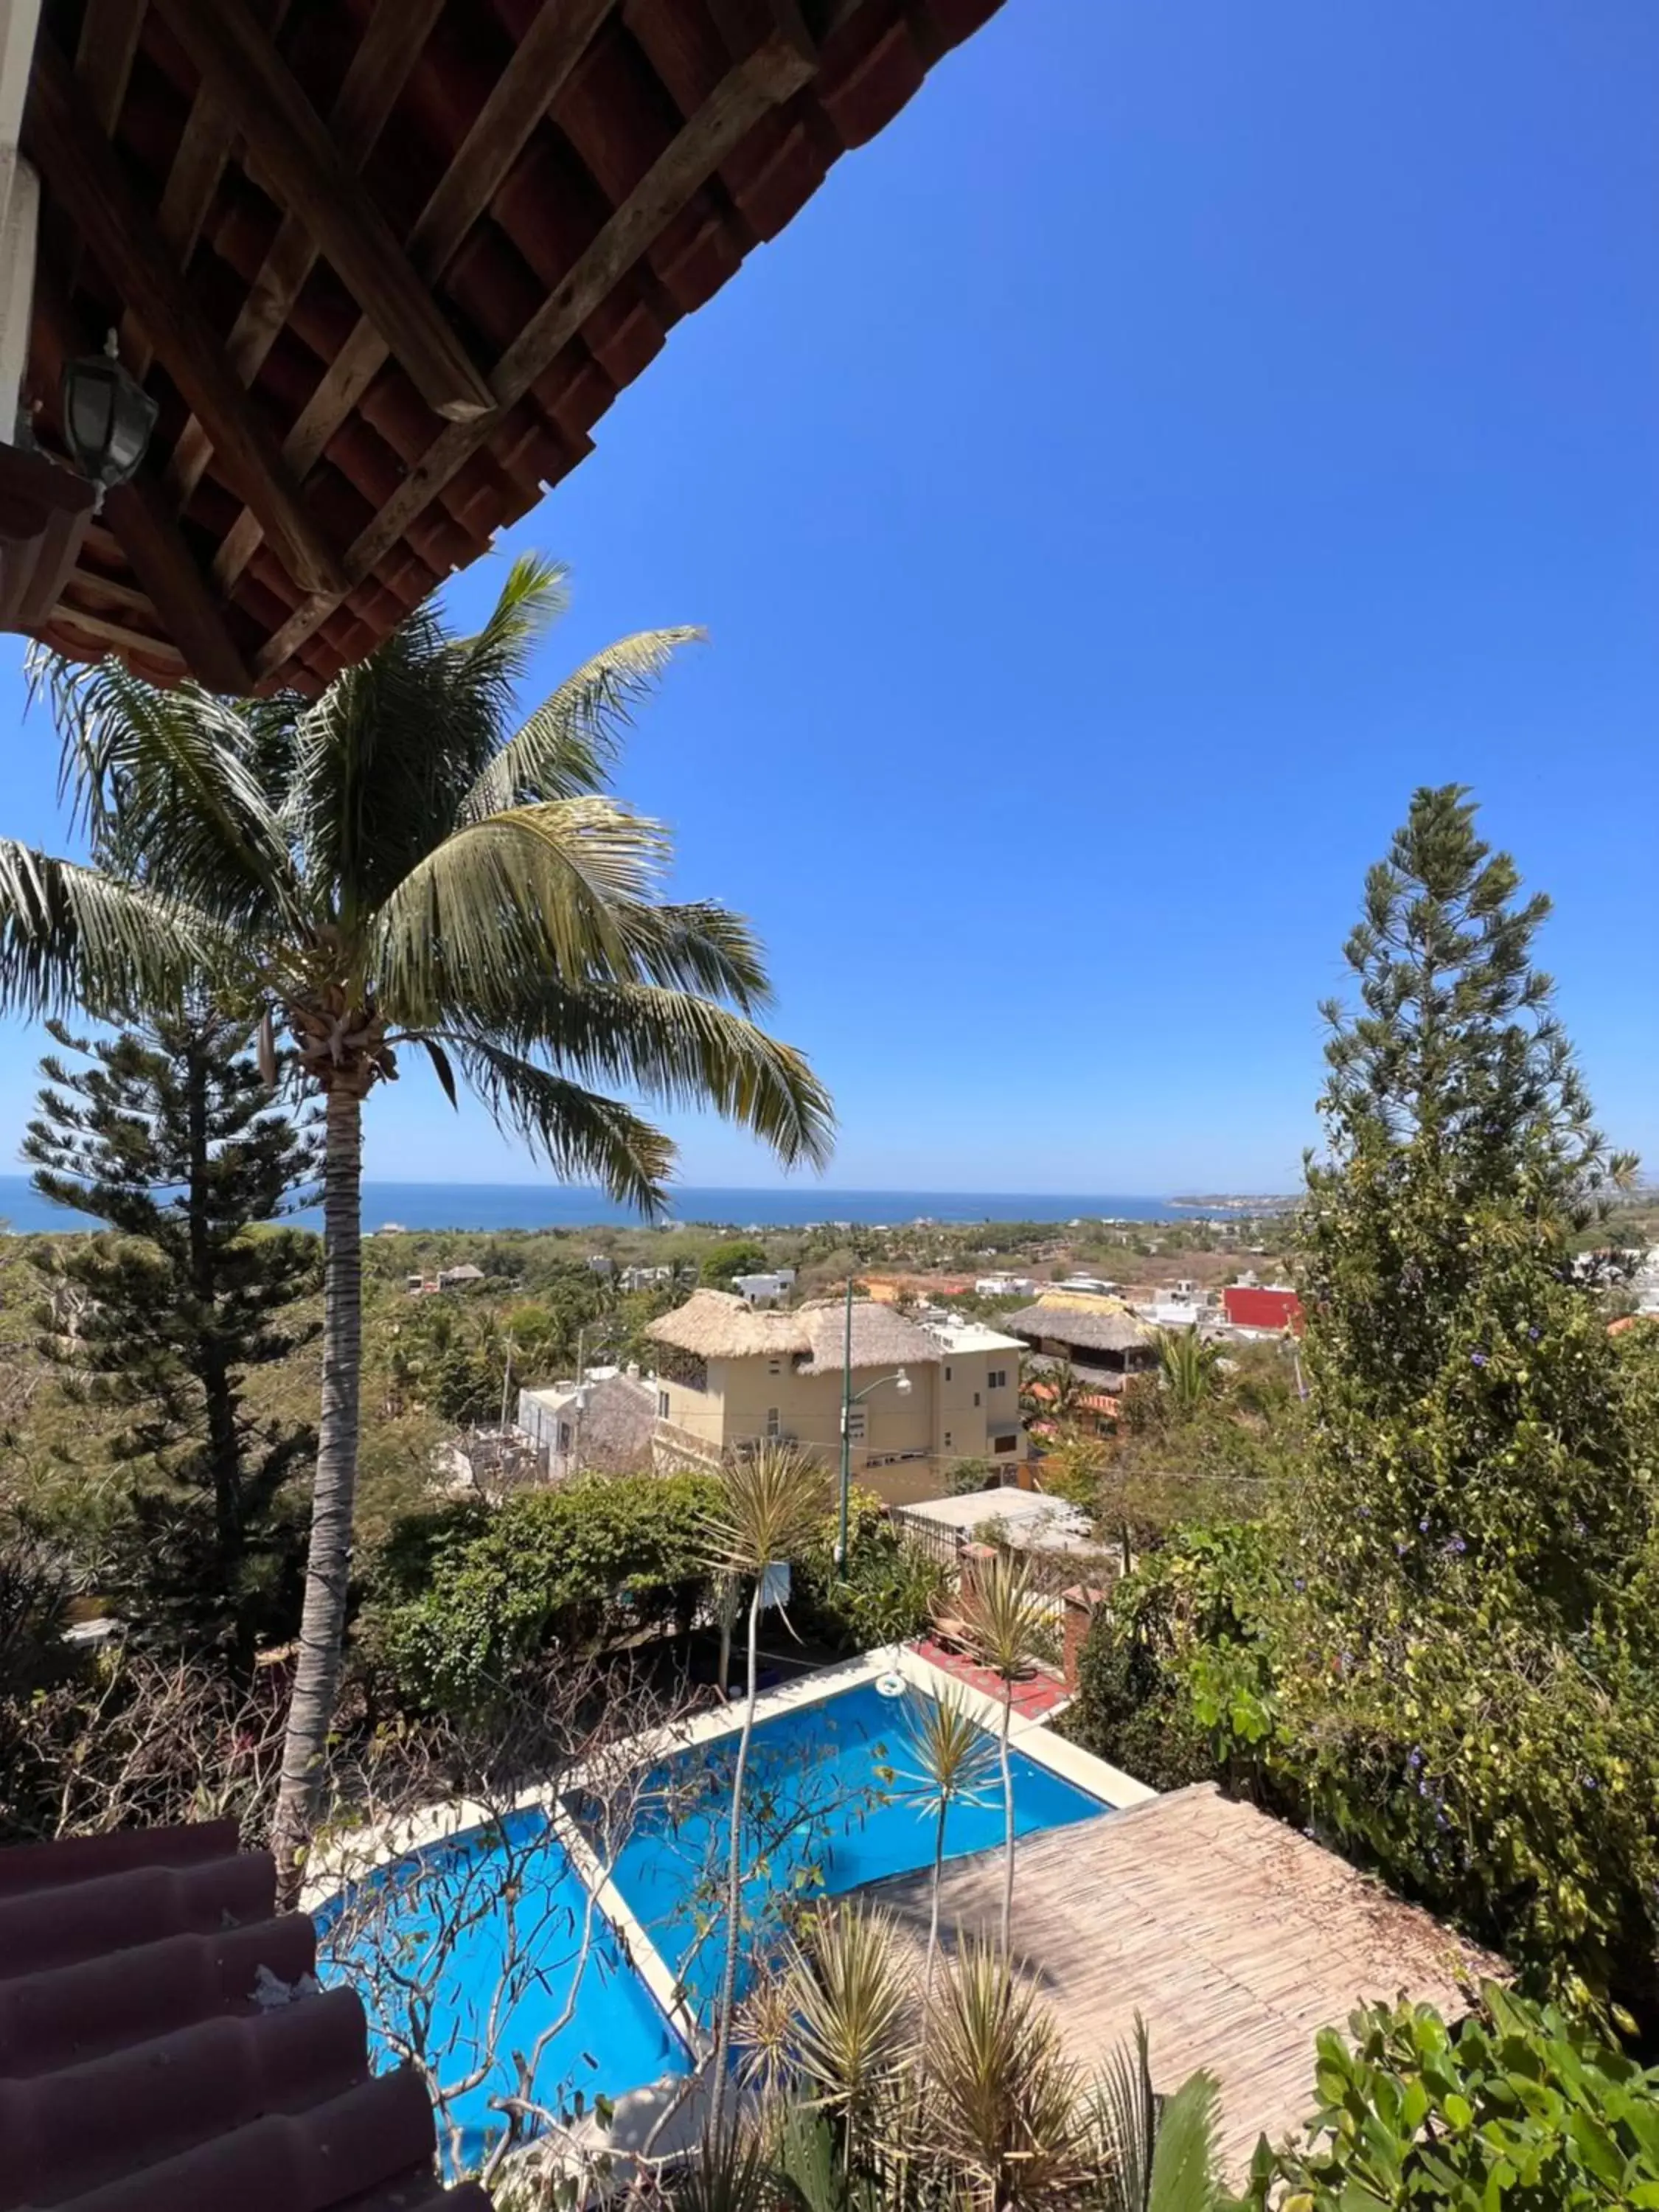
(831,1800)
(430,1942)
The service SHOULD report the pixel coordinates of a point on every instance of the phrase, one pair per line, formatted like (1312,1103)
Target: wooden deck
(1235,1937)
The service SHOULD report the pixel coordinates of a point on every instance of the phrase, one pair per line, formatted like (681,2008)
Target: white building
(602,1423)
(646,1278)
(1005,1286)
(769,1290)
(1096,1285)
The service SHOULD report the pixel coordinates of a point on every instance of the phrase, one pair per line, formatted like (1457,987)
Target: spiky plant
(1152,2154)
(1188,1368)
(1005,2107)
(950,1758)
(392,865)
(1003,1618)
(772,1504)
(852,2006)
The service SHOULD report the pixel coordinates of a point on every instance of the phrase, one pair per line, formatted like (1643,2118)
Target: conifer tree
(1473,1422)
(168,1133)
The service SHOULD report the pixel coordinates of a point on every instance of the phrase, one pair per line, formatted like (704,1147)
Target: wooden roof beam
(292,146)
(380,68)
(776,69)
(82,171)
(522,96)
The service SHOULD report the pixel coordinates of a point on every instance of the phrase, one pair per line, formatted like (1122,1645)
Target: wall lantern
(108,418)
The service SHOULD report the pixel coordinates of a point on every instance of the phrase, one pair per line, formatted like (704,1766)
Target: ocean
(484,1206)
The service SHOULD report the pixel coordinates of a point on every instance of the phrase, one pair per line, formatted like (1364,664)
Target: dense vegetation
(1442,1650)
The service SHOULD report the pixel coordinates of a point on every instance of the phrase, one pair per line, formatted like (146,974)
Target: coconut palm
(950,1764)
(1002,1618)
(772,1502)
(391,866)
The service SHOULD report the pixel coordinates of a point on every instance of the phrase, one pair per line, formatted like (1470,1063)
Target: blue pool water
(831,1800)
(445,1938)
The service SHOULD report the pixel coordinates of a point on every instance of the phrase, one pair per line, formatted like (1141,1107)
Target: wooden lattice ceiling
(383,264)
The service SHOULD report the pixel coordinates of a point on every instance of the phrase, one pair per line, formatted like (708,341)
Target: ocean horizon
(484,1207)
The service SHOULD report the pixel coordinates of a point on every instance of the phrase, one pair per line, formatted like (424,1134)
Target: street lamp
(849,1398)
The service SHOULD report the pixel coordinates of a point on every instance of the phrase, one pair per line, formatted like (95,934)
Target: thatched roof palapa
(716,1325)
(1098,1325)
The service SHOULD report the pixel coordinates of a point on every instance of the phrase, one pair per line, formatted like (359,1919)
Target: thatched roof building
(1093,1325)
(715,1325)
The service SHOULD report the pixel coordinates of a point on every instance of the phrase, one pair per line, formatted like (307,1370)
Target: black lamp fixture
(108,418)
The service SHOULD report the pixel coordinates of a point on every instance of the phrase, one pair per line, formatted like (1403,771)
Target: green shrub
(577,1566)
(1516,2108)
(889,1593)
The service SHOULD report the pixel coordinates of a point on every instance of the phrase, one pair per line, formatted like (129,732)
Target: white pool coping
(1030,1735)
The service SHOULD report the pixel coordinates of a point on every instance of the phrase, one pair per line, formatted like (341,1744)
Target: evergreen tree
(169,1133)
(1472,1419)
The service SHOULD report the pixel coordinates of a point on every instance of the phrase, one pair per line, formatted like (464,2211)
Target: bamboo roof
(1235,1937)
(384,265)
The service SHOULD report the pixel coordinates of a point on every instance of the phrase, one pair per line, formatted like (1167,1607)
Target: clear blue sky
(1189,428)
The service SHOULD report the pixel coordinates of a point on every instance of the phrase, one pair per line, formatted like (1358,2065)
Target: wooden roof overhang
(384,264)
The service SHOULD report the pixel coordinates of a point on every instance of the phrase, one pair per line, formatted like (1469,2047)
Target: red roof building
(1269,1309)
(163,2043)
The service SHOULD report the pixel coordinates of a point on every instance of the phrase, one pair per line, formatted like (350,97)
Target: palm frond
(535,595)
(1003,1617)
(771,1507)
(699,947)
(1183,2178)
(682,1051)
(567,745)
(70,936)
(581,1134)
(951,1759)
(507,902)
(1124,2112)
(167,785)
(852,2006)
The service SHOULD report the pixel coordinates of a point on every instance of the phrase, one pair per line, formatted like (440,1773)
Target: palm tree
(387,868)
(1157,2154)
(1188,1368)
(1002,1618)
(772,1505)
(951,1755)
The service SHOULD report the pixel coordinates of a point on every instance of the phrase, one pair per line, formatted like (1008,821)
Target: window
(662,1405)
(947,1374)
(976,1397)
(774,1367)
(997,1379)
(564,1436)
(947,1440)
(772,1424)
(1005,1444)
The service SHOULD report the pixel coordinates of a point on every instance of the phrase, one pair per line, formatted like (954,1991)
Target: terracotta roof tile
(140,2069)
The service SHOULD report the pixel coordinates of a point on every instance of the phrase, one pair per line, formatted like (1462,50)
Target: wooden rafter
(136,516)
(526,88)
(80,166)
(775,69)
(292,145)
(379,69)
(104,54)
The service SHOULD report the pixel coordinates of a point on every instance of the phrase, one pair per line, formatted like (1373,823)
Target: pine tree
(168,1133)
(1472,1417)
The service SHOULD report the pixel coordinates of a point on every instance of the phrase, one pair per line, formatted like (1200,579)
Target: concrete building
(601,1426)
(768,1289)
(729,1374)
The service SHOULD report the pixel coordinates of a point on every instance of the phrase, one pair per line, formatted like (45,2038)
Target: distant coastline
(502,1207)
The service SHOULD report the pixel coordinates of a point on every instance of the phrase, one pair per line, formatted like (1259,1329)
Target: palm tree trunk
(328,1563)
(1007,1827)
(734,1878)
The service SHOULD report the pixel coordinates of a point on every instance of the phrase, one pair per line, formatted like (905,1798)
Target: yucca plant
(773,1501)
(852,2005)
(950,1758)
(1003,1617)
(1005,2106)
(392,866)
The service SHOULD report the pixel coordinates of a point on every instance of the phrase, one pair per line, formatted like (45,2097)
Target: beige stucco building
(728,1377)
